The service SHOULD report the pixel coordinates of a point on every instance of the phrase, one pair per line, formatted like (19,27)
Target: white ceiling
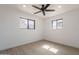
(64,8)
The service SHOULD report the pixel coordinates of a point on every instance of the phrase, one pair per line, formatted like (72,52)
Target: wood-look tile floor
(36,48)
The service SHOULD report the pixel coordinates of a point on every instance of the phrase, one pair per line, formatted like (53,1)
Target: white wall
(69,35)
(10,33)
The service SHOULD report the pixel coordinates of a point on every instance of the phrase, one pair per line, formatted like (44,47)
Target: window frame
(28,23)
(57,23)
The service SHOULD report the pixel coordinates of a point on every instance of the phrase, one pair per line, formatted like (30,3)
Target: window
(57,24)
(27,23)
(54,24)
(23,23)
(31,24)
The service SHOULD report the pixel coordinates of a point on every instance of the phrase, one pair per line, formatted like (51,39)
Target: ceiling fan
(43,9)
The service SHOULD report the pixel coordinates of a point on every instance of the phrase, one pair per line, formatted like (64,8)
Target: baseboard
(19,44)
(61,43)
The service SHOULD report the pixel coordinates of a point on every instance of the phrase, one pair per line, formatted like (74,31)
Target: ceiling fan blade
(36,7)
(43,13)
(50,10)
(37,12)
(47,5)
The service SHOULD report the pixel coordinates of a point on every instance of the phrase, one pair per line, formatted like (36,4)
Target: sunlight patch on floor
(46,46)
(54,50)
